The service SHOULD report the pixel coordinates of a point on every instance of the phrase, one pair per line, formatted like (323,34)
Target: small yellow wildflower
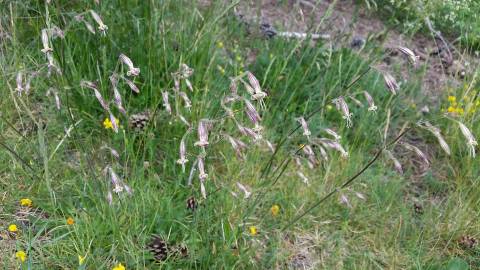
(12,228)
(70,221)
(81,260)
(451,109)
(21,255)
(108,124)
(119,267)
(275,209)
(26,202)
(253,230)
(452,98)
(459,111)
(220,44)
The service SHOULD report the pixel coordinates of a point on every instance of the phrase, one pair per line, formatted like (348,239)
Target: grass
(456,19)
(371,224)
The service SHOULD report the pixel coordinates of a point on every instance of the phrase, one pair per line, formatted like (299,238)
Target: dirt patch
(347,24)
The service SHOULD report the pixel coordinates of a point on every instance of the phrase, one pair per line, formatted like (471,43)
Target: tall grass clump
(163,134)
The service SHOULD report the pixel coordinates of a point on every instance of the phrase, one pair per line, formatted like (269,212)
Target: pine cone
(191,204)
(467,241)
(159,248)
(139,121)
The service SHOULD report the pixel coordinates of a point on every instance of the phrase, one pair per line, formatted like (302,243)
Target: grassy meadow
(148,134)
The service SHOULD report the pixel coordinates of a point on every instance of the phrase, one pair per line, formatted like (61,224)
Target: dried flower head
(202,134)
(343,107)
(233,87)
(303,177)
(166,103)
(303,123)
(99,97)
(186,100)
(371,103)
(252,112)
(333,134)
(117,98)
(258,94)
(396,163)
(417,151)
(237,145)
(131,85)
(391,83)
(246,190)
(183,151)
(436,132)
(185,71)
(471,141)
(101,26)
(132,71)
(333,145)
(201,169)
(19,81)
(55,94)
(410,54)
(46,42)
(249,132)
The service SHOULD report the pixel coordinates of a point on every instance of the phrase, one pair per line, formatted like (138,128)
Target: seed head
(132,71)
(131,85)
(252,112)
(46,42)
(343,107)
(371,103)
(19,81)
(186,100)
(391,83)
(246,190)
(202,134)
(117,98)
(99,97)
(471,141)
(166,103)
(101,26)
(303,123)
(201,169)
(410,54)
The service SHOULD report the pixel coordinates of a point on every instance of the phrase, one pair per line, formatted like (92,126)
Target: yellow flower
(459,111)
(119,267)
(81,260)
(452,98)
(451,109)
(70,221)
(220,44)
(253,230)
(108,124)
(26,202)
(275,209)
(21,255)
(12,228)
